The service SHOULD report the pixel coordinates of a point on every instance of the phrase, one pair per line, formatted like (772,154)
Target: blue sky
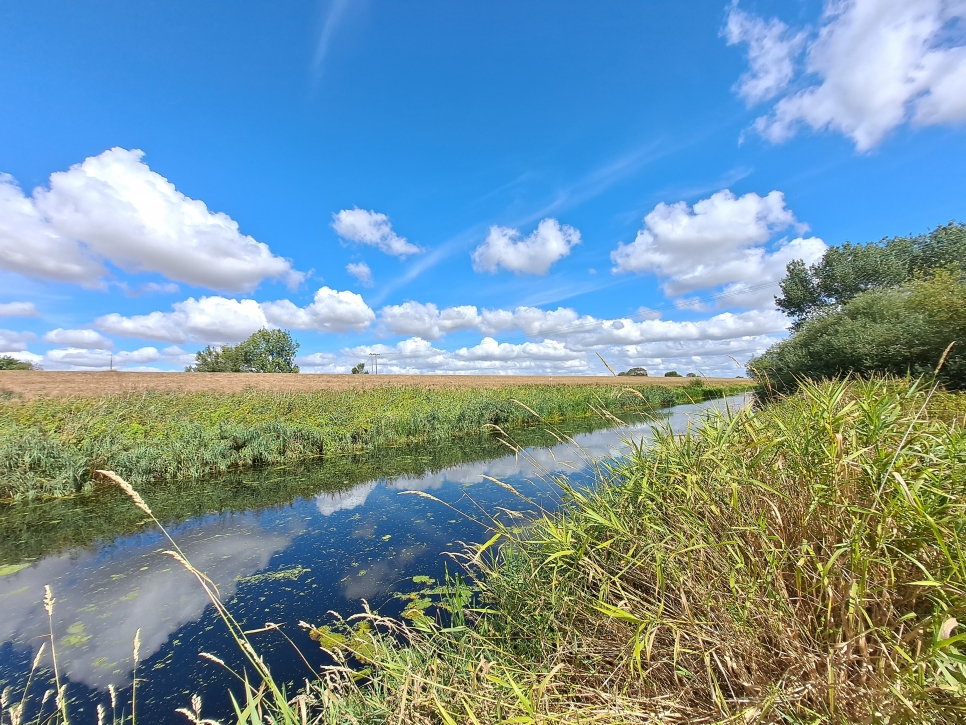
(497,188)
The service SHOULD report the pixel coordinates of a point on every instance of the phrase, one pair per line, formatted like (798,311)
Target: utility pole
(374,362)
(112,362)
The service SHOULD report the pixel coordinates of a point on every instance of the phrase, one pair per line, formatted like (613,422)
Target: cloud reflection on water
(103,598)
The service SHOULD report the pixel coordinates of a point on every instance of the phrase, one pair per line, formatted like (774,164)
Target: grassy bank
(51,446)
(800,564)
(32,529)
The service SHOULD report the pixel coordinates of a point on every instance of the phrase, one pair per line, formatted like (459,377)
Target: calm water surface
(282,546)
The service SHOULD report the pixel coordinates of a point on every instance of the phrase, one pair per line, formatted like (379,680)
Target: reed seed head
(129,490)
(137,646)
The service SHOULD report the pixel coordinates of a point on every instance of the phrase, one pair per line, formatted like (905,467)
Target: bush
(11,363)
(902,331)
(672,374)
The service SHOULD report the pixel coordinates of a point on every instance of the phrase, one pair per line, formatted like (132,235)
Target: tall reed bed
(799,564)
(51,446)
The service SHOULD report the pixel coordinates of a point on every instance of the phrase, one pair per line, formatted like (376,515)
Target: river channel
(283,545)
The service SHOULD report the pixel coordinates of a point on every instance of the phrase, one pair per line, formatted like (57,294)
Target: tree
(11,363)
(635,372)
(360,369)
(847,271)
(672,374)
(901,330)
(265,351)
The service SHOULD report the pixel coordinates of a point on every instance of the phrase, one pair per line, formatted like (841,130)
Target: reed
(802,563)
(51,446)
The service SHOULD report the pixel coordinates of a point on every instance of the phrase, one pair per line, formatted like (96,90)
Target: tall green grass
(803,563)
(51,446)
(32,529)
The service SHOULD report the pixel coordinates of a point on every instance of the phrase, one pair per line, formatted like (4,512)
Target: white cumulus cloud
(11,341)
(18,309)
(81,358)
(720,241)
(113,207)
(221,320)
(374,229)
(427,321)
(771,54)
(872,66)
(78,338)
(330,311)
(361,271)
(29,245)
(504,247)
(210,320)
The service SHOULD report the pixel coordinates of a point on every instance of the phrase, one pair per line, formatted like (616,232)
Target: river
(282,545)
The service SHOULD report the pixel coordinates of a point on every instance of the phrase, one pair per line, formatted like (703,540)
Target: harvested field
(39,383)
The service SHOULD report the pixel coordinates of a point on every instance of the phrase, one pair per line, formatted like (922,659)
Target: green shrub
(903,331)
(8,362)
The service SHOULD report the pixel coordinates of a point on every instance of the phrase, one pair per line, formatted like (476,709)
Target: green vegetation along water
(51,446)
(803,563)
(282,544)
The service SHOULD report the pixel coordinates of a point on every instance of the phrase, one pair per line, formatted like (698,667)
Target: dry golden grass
(38,383)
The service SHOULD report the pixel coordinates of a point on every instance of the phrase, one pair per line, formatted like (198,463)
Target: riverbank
(33,529)
(50,446)
(805,562)
(56,383)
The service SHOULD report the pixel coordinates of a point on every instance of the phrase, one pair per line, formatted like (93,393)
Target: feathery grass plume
(750,570)
(194,714)
(59,690)
(269,698)
(134,671)
(128,489)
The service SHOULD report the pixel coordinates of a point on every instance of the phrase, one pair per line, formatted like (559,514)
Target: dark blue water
(284,563)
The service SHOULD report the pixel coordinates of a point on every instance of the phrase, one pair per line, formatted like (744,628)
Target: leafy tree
(635,372)
(847,271)
(360,369)
(899,330)
(672,374)
(11,363)
(265,351)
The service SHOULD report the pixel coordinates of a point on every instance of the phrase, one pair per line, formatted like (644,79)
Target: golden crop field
(39,383)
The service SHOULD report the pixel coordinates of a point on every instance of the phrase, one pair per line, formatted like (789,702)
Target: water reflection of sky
(283,565)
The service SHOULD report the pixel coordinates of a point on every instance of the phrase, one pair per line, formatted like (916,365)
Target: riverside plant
(802,563)
(51,446)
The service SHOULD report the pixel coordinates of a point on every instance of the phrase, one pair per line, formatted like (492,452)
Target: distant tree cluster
(266,351)
(11,363)
(887,307)
(641,372)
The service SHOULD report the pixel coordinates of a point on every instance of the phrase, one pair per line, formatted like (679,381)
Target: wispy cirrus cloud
(332,17)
